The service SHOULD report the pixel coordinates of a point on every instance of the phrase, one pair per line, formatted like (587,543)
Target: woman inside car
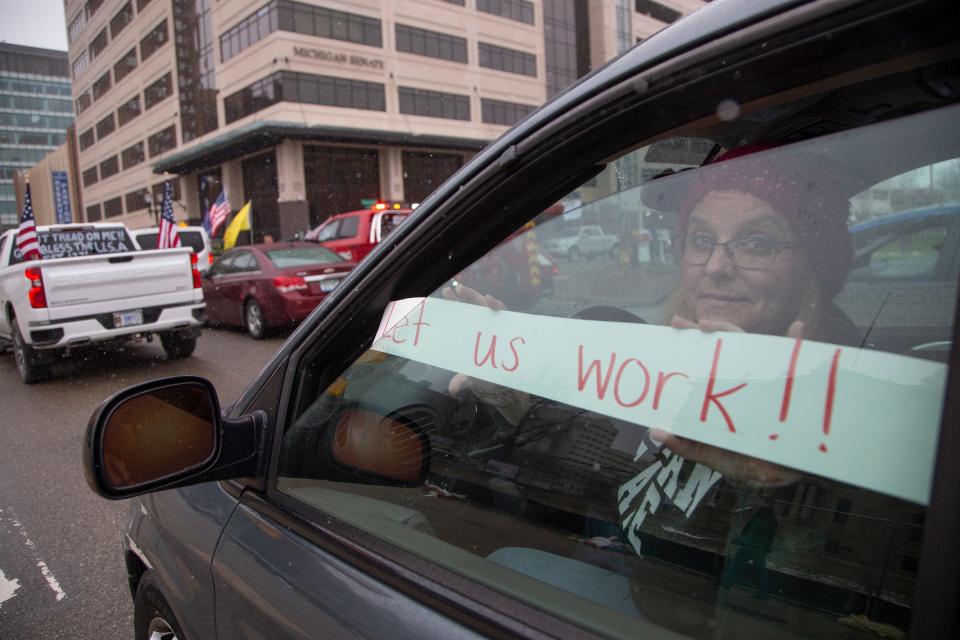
(765,249)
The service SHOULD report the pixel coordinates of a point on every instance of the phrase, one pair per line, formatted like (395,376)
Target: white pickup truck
(93,285)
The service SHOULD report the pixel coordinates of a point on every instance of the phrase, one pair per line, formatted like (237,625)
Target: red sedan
(262,286)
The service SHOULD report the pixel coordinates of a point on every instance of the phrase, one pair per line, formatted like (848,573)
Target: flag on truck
(217,215)
(27,235)
(240,222)
(169,236)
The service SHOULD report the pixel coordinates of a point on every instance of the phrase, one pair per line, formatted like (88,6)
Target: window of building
(99,43)
(91,7)
(424,171)
(83,102)
(106,126)
(109,167)
(113,208)
(657,10)
(101,86)
(566,39)
(431,43)
(260,187)
(80,64)
(76,27)
(339,179)
(304,88)
(157,190)
(128,110)
(248,31)
(86,139)
(501,112)
(158,91)
(93,212)
(136,200)
(162,141)
(519,10)
(122,18)
(125,65)
(436,104)
(90,176)
(504,59)
(196,79)
(132,156)
(155,39)
(141,4)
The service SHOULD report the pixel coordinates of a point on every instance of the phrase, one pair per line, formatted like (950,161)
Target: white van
(194,237)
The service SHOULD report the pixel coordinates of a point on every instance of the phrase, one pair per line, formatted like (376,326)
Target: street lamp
(153,207)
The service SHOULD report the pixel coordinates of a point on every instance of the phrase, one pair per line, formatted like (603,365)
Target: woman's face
(756,300)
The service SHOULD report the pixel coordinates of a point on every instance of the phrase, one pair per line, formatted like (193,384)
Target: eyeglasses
(755,252)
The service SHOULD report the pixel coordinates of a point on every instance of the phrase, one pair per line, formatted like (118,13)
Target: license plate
(127,318)
(329,285)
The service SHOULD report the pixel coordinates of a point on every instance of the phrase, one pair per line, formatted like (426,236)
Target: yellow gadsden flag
(240,222)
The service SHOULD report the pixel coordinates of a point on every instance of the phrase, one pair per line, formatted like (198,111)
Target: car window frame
(377,282)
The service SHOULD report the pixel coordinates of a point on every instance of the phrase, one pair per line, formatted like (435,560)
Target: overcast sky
(35,23)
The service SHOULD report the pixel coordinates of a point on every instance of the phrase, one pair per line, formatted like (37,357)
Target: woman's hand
(512,404)
(734,466)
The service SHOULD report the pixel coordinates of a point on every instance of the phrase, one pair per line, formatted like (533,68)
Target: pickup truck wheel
(574,254)
(31,371)
(253,316)
(152,617)
(178,345)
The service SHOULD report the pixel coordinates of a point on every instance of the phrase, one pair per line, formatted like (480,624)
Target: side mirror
(163,434)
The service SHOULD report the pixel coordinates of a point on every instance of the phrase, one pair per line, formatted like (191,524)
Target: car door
(442,466)
(236,285)
(213,290)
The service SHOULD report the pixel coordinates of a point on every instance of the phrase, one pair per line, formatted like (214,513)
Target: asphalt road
(61,566)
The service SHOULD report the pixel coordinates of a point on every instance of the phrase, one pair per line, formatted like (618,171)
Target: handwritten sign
(67,243)
(862,417)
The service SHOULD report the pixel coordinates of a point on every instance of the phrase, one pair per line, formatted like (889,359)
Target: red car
(261,286)
(355,233)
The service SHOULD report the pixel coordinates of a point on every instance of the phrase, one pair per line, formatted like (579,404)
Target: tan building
(54,185)
(310,108)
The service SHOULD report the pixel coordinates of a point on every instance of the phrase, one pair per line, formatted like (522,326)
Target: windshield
(81,241)
(301,257)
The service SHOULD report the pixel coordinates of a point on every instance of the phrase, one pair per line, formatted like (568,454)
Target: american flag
(27,235)
(169,238)
(217,215)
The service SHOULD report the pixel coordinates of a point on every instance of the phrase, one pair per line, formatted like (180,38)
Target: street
(61,565)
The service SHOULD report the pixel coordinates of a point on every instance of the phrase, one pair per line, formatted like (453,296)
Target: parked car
(420,460)
(904,280)
(194,237)
(93,287)
(585,241)
(265,286)
(355,233)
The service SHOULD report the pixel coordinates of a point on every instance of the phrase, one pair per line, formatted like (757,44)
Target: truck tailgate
(113,282)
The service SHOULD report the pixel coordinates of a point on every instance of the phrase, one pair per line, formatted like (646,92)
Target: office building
(35,113)
(309,108)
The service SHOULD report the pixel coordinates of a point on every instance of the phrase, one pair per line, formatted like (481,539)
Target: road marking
(44,569)
(8,588)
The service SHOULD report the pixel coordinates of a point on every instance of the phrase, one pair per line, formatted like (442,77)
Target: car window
(328,231)
(389,222)
(301,256)
(222,265)
(708,429)
(244,262)
(192,239)
(147,241)
(348,227)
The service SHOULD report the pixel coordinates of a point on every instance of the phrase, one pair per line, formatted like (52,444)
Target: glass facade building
(35,111)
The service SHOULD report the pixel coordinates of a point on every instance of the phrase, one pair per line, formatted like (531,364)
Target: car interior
(532,512)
